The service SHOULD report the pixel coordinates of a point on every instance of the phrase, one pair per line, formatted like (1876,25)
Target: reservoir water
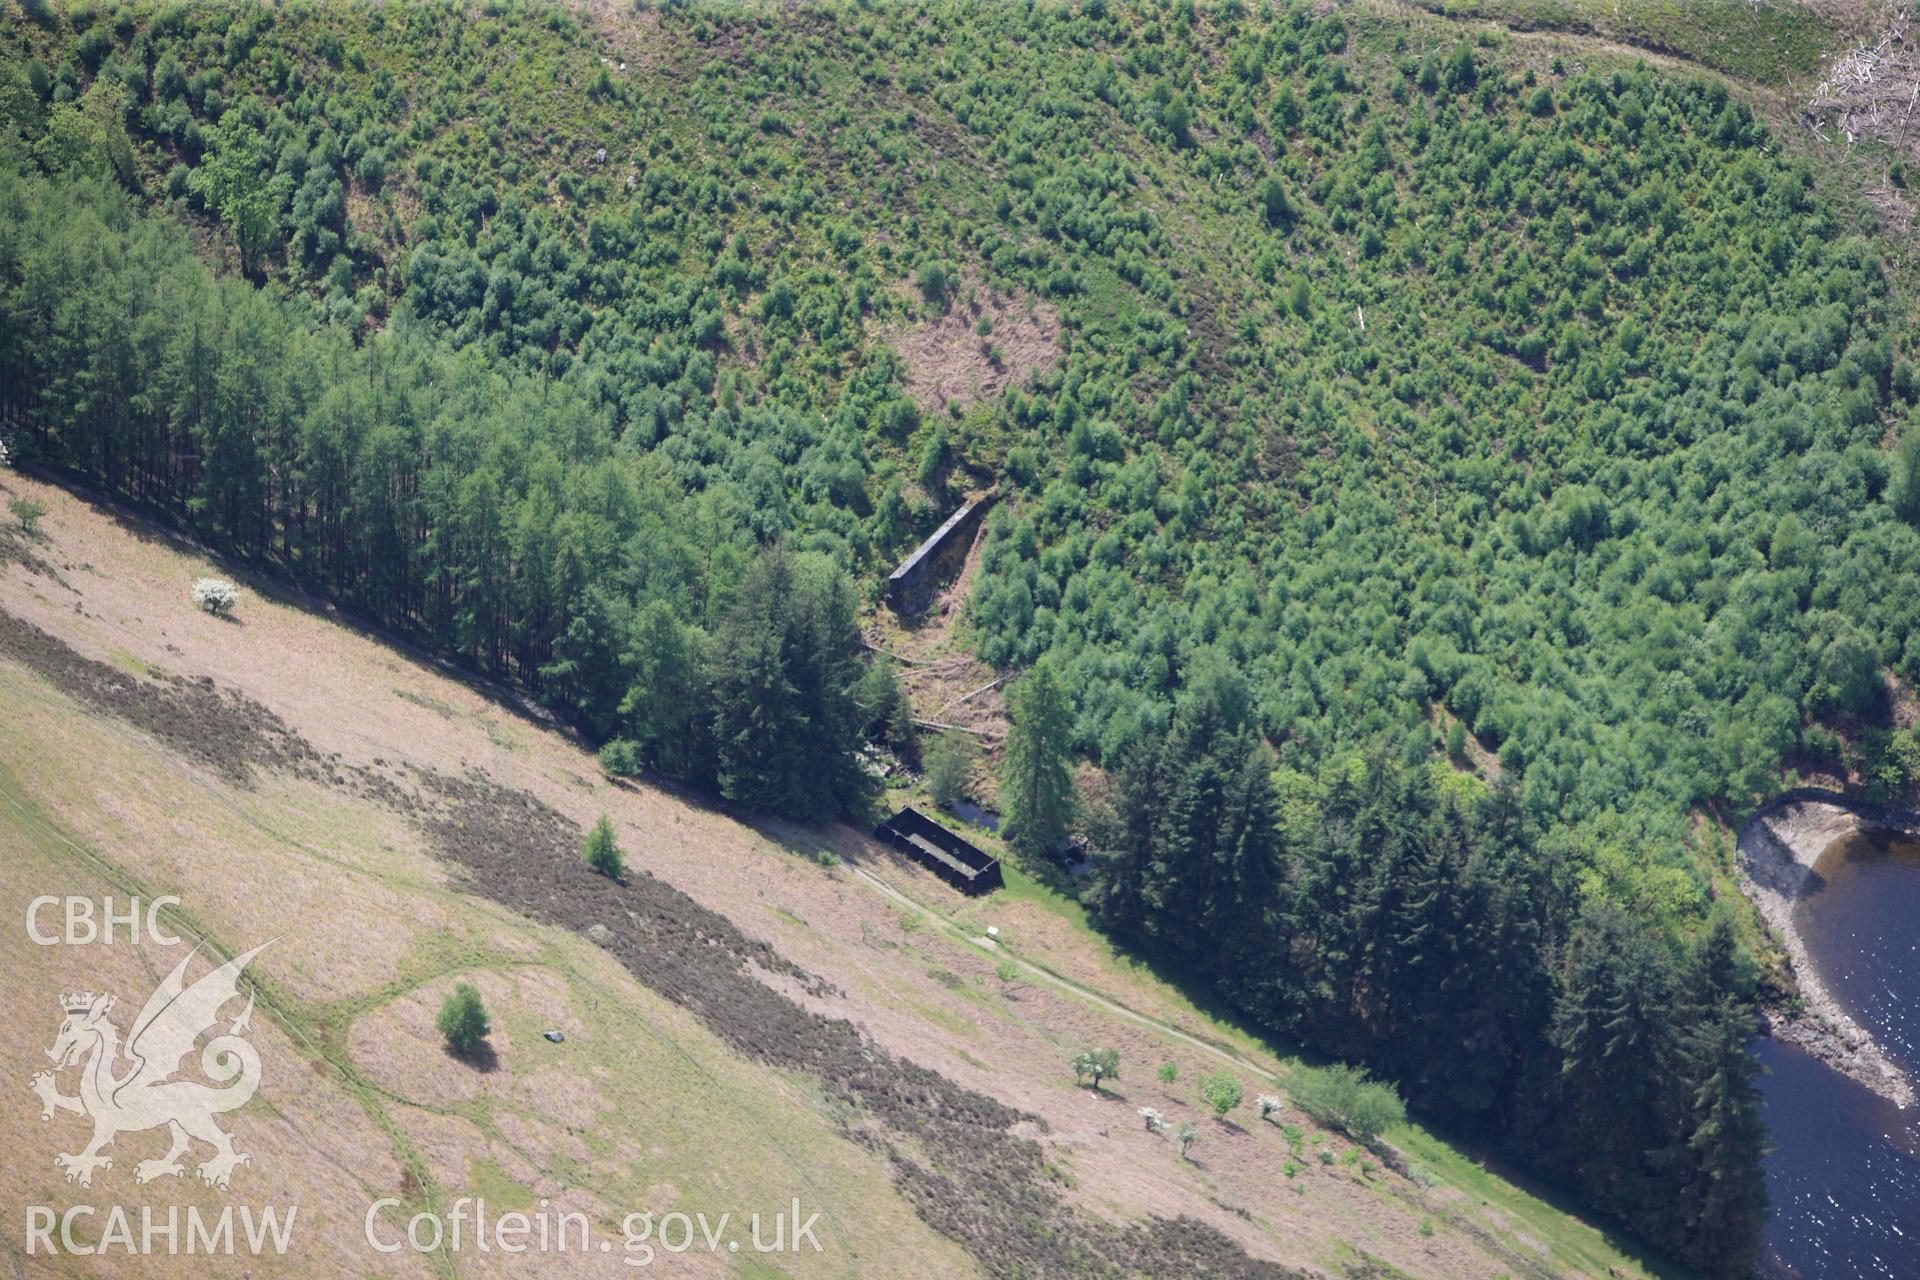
(1844,1176)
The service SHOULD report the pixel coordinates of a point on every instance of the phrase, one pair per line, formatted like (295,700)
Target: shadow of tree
(481,1057)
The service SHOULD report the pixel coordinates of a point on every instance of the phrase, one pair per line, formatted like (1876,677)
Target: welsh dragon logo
(150,1091)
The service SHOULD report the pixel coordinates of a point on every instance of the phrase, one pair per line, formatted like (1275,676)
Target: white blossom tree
(1096,1065)
(216,595)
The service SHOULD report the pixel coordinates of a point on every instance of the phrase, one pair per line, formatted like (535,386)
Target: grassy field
(653,1101)
(1775,43)
(639,1109)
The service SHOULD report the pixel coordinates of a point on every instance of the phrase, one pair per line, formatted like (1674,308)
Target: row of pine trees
(493,517)
(1438,938)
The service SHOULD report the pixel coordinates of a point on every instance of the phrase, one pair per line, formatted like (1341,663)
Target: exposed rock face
(1778,849)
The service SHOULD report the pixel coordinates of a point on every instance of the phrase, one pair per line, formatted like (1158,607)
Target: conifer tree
(1036,788)
(756,717)
(786,722)
(600,851)
(1903,487)
(1722,1209)
(664,710)
(463,1019)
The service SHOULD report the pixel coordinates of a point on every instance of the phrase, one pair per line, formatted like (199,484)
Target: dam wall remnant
(911,587)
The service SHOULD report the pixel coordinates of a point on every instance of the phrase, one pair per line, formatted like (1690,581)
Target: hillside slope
(1428,374)
(1444,472)
(285,775)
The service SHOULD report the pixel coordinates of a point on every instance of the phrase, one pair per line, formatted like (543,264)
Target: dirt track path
(1107,1004)
(1047,977)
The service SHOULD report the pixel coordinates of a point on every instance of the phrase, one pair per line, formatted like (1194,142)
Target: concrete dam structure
(912,586)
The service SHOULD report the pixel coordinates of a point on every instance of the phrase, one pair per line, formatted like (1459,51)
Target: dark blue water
(971,812)
(1861,921)
(1844,1176)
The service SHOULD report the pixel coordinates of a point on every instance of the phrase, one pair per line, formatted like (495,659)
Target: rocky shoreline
(1778,848)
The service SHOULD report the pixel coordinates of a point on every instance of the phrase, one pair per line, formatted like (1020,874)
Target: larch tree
(1036,787)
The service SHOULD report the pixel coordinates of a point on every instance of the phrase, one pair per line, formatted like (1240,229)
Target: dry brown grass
(375,909)
(310,1146)
(641,1099)
(948,362)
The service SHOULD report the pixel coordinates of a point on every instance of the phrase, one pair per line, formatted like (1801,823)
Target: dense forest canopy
(1392,409)
(1411,375)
